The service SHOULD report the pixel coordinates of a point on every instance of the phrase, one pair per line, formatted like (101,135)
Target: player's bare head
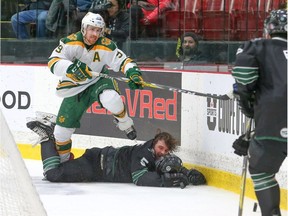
(276,23)
(92,27)
(164,143)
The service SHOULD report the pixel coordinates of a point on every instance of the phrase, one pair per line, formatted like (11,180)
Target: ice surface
(118,199)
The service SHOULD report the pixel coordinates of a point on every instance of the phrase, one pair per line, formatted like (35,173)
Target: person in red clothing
(147,16)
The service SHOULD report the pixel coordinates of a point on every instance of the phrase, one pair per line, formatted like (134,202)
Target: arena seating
(250,17)
(183,17)
(213,20)
(219,19)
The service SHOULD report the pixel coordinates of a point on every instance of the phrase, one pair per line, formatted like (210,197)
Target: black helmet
(276,22)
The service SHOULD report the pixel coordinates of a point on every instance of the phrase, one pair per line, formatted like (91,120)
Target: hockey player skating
(73,60)
(261,88)
(148,164)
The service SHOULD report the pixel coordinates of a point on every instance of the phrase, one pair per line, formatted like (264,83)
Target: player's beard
(158,155)
(91,40)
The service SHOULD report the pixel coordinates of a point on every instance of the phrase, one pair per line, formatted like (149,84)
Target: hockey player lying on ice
(148,164)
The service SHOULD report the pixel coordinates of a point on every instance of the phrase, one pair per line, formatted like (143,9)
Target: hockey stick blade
(169,88)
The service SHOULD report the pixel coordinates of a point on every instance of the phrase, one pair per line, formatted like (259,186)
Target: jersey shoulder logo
(105,44)
(105,41)
(72,37)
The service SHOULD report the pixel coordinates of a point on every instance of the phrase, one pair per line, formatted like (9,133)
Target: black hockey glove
(194,176)
(169,163)
(174,180)
(241,145)
(245,100)
(134,74)
(78,71)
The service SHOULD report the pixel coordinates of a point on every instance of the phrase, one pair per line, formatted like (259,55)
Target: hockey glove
(194,176)
(78,71)
(134,74)
(174,180)
(169,163)
(245,100)
(241,146)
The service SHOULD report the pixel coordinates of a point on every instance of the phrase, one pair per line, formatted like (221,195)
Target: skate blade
(46,116)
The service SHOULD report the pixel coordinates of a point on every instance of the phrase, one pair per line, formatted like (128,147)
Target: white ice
(118,199)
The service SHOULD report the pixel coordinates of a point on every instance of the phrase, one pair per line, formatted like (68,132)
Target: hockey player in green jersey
(260,73)
(73,60)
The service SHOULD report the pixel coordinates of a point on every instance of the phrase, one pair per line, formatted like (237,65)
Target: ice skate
(46,116)
(41,127)
(127,127)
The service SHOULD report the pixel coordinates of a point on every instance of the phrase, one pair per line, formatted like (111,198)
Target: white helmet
(94,20)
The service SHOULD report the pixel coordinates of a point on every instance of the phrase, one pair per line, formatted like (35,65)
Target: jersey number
(119,54)
(59,49)
(144,161)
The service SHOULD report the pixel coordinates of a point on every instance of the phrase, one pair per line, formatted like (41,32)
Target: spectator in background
(62,11)
(117,22)
(35,12)
(82,7)
(146,16)
(187,49)
(59,12)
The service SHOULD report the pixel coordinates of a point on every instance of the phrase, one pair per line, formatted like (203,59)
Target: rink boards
(206,127)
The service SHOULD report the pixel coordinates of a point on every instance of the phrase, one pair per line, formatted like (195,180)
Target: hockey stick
(169,88)
(244,170)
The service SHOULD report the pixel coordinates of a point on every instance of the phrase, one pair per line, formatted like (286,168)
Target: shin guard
(268,193)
